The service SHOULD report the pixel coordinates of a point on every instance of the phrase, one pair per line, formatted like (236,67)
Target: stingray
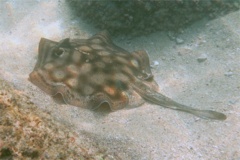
(90,72)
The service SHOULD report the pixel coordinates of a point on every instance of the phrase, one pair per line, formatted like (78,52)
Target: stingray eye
(59,52)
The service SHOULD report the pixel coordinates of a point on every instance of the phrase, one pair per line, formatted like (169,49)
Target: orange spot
(110,90)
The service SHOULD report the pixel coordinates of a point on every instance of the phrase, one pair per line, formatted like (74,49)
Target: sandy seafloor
(149,132)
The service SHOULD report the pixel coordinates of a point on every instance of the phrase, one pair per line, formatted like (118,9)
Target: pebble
(155,64)
(202,58)
(179,41)
(228,74)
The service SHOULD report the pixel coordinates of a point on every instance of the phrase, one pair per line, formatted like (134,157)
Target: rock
(144,17)
(202,58)
(26,132)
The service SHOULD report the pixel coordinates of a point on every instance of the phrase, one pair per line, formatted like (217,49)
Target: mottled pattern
(90,72)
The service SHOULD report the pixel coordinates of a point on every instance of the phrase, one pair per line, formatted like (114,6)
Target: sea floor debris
(28,133)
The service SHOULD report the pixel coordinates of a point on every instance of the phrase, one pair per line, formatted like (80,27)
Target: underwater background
(194,51)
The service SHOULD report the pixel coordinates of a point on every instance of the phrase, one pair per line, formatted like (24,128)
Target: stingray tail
(209,114)
(152,96)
